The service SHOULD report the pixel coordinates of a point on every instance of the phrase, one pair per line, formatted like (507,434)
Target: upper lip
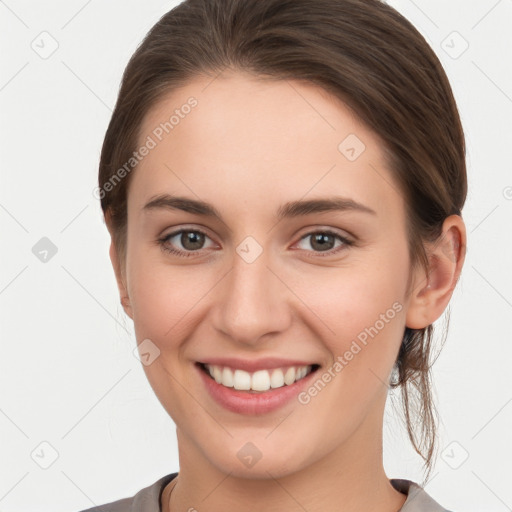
(252,365)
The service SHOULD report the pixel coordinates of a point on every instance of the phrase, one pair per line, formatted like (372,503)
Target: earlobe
(432,292)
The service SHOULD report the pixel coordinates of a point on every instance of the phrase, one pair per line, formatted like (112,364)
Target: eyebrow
(288,210)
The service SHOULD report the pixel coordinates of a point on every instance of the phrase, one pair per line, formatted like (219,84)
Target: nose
(253,301)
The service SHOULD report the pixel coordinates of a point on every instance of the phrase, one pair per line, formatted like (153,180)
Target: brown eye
(184,242)
(322,241)
(192,240)
(325,242)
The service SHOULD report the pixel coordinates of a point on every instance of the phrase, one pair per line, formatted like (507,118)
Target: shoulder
(417,498)
(146,500)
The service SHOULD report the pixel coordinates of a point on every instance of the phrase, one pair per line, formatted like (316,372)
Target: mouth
(260,381)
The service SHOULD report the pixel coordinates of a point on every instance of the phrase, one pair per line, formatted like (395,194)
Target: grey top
(148,499)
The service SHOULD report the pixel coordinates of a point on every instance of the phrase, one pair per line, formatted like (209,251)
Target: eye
(191,240)
(324,242)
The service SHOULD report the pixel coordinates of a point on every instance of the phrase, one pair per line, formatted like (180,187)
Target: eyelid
(319,228)
(347,242)
(184,228)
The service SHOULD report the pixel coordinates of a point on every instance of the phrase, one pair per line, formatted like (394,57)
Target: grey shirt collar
(148,499)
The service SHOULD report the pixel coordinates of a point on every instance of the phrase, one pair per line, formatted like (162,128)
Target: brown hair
(361,51)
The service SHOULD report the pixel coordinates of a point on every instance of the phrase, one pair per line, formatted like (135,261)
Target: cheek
(360,313)
(154,294)
(360,322)
(166,299)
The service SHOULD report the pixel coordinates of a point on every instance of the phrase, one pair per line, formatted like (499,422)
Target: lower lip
(243,402)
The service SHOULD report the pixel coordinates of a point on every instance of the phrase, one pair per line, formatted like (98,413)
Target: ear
(432,292)
(116,264)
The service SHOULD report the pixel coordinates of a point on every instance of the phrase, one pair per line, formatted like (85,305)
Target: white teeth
(242,380)
(227,378)
(217,374)
(261,380)
(277,379)
(289,376)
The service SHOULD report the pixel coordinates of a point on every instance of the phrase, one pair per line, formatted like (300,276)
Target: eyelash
(187,254)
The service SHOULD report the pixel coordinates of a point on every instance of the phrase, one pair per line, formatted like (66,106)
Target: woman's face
(267,278)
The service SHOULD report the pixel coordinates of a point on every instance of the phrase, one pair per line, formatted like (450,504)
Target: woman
(283,182)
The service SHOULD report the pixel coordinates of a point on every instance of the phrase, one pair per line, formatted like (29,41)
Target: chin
(250,463)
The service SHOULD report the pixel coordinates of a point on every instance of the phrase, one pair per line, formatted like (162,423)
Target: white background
(68,376)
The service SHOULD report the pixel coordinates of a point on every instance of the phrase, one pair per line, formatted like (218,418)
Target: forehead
(253,108)
(242,139)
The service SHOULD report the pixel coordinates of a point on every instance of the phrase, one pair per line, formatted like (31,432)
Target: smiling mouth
(259,381)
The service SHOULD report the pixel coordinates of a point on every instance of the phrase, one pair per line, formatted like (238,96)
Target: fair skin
(247,148)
